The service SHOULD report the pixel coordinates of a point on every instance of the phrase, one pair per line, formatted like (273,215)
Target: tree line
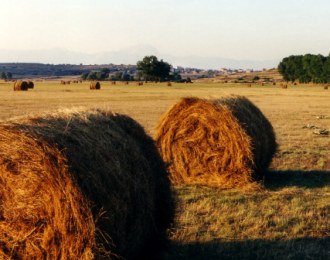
(305,68)
(147,69)
(104,74)
(6,75)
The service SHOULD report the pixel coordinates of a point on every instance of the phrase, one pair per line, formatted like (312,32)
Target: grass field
(289,219)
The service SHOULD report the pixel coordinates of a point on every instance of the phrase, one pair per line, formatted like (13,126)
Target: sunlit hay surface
(80,185)
(224,142)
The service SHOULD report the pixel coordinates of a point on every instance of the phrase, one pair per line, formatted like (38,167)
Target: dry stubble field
(289,219)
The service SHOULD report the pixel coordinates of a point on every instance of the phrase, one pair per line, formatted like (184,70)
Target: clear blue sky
(237,29)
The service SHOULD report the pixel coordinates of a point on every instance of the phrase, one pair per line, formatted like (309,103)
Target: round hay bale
(284,86)
(95,85)
(326,87)
(30,84)
(20,85)
(63,82)
(169,84)
(81,185)
(225,142)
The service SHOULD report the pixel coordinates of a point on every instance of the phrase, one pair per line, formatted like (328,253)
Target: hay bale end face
(21,86)
(95,85)
(81,185)
(30,84)
(225,142)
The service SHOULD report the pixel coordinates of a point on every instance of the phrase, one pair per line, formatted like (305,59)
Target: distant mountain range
(127,56)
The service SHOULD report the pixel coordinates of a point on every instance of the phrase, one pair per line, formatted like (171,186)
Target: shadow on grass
(305,179)
(304,248)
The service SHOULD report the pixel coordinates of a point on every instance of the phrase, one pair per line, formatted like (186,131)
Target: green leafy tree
(305,68)
(9,75)
(91,76)
(326,69)
(150,68)
(84,76)
(176,77)
(3,75)
(117,76)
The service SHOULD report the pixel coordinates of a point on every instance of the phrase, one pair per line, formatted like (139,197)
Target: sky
(194,32)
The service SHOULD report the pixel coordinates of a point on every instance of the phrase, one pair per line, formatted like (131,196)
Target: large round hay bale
(95,85)
(81,185)
(20,85)
(30,84)
(224,142)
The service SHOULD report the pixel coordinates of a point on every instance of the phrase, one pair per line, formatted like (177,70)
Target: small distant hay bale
(140,83)
(326,87)
(249,85)
(63,82)
(126,83)
(30,84)
(284,86)
(68,82)
(169,84)
(113,83)
(225,142)
(81,185)
(20,85)
(95,85)
(274,83)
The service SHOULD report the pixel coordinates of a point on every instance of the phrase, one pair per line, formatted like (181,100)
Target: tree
(91,76)
(3,75)
(9,75)
(151,69)
(176,77)
(84,76)
(305,68)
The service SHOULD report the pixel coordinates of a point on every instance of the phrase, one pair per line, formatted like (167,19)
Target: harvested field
(288,219)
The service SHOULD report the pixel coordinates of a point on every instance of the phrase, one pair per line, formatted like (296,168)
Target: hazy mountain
(128,56)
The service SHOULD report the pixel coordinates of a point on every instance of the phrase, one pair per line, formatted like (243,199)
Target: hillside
(271,75)
(38,70)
